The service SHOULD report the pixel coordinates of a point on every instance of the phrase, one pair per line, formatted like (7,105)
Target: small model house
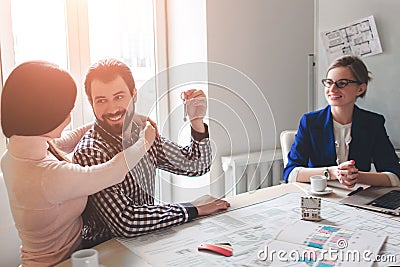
(311,208)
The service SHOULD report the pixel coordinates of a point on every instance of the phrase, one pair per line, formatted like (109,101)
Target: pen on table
(359,189)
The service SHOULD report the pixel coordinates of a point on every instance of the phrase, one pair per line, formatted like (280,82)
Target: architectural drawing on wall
(359,38)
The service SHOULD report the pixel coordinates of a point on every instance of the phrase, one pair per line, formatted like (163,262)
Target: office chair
(287,139)
(10,242)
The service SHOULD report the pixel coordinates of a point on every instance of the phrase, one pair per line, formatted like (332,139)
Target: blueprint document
(249,229)
(358,38)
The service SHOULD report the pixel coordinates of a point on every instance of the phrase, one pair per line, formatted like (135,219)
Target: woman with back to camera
(47,194)
(342,140)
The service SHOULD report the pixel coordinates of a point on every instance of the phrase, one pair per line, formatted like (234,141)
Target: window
(124,29)
(33,36)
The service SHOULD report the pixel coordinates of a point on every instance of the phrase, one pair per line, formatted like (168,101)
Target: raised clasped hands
(347,173)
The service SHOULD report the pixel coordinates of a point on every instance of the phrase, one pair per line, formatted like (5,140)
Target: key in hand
(185,114)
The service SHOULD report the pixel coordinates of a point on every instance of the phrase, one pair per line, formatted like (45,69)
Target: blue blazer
(314,144)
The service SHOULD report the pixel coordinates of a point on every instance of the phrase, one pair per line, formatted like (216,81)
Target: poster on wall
(358,38)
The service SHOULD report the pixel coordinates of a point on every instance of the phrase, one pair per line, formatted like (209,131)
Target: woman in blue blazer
(342,140)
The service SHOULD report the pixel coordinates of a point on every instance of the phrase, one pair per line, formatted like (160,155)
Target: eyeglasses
(339,83)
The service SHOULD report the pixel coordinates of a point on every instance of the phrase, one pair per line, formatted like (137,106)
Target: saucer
(327,191)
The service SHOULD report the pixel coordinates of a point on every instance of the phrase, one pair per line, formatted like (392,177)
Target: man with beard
(127,209)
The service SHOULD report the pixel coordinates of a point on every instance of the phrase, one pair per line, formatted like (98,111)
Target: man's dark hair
(107,70)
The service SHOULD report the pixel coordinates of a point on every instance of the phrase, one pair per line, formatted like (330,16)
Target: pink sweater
(47,196)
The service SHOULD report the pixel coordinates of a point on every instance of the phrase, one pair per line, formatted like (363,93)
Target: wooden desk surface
(114,254)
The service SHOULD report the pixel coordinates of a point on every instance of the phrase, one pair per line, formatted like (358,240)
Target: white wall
(383,91)
(269,41)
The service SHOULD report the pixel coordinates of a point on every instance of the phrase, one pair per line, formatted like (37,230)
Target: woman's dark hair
(36,98)
(357,68)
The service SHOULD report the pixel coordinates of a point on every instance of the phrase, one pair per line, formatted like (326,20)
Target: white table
(112,253)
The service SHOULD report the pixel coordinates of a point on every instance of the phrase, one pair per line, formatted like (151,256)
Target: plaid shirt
(127,209)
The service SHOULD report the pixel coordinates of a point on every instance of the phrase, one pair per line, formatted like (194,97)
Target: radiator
(251,171)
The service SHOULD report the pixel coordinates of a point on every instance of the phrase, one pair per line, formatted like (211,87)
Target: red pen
(223,248)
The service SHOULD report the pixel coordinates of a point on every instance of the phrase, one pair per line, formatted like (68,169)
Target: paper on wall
(359,38)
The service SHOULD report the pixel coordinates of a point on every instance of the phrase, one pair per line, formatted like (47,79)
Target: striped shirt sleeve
(192,160)
(124,219)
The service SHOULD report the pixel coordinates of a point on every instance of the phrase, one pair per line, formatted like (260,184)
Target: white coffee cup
(85,258)
(318,183)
